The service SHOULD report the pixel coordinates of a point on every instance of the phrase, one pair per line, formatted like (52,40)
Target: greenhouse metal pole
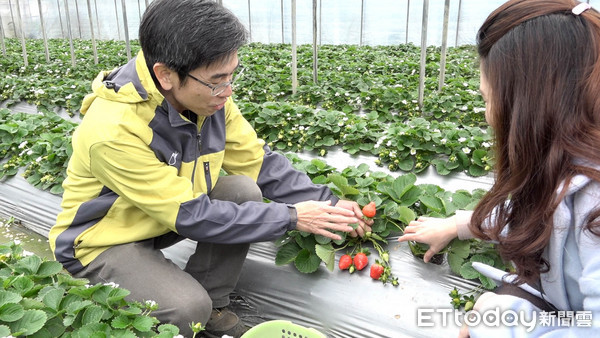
(44,31)
(282,35)
(423,51)
(78,20)
(22,35)
(320,22)
(62,30)
(69,32)
(362,21)
(444,46)
(12,17)
(126,30)
(457,23)
(294,56)
(249,21)
(407,16)
(92,32)
(97,21)
(139,10)
(117,16)
(2,37)
(315,47)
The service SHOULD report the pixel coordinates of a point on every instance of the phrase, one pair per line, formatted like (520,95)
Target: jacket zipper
(206,165)
(207,177)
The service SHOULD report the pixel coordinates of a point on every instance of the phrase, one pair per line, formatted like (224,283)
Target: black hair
(187,34)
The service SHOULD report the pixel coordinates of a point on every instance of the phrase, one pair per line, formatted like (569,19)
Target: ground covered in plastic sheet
(11,230)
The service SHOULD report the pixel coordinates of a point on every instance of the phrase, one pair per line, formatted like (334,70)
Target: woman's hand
(436,232)
(320,218)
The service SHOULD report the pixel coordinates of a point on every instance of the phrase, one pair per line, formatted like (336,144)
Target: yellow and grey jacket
(140,169)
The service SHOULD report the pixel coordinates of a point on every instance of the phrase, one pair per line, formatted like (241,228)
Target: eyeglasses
(220,88)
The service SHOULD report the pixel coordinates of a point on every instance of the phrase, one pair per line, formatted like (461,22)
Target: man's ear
(164,75)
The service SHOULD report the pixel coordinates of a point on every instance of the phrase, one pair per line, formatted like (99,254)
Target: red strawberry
(369,210)
(360,261)
(345,262)
(376,270)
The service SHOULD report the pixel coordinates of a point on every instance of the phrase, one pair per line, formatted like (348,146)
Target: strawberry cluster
(381,269)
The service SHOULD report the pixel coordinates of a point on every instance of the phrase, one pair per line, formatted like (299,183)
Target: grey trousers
(183,296)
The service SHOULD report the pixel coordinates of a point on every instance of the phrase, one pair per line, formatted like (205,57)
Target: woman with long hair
(540,78)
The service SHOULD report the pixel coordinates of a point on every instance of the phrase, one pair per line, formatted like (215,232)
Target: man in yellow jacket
(145,174)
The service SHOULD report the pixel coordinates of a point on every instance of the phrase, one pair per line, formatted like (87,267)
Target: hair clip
(582,7)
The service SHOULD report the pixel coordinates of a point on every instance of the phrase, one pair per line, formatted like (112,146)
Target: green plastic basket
(282,329)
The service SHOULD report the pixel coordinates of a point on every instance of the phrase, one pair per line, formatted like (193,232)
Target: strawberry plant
(39,299)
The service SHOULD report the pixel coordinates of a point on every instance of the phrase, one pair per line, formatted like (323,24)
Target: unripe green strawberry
(345,262)
(360,261)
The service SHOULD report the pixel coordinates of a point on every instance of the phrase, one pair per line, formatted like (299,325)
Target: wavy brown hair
(542,65)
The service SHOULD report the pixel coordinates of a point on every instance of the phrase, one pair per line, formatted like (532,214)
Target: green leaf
(11,312)
(49,268)
(411,196)
(68,280)
(117,295)
(404,183)
(406,215)
(29,265)
(460,248)
(94,330)
(461,199)
(483,259)
(326,254)
(4,331)
(22,284)
(287,253)
(468,272)
(53,298)
(487,283)
(455,262)
(7,297)
(432,202)
(339,180)
(31,322)
(121,322)
(52,328)
(322,239)
(83,291)
(143,323)
(169,329)
(93,314)
(307,262)
(475,170)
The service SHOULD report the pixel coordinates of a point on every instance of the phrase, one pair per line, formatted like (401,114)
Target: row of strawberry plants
(366,113)
(398,201)
(40,143)
(39,299)
(410,146)
(351,78)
